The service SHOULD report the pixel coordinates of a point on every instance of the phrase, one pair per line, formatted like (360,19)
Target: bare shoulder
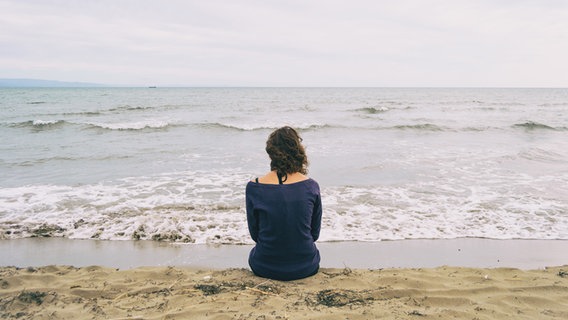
(269,178)
(296,177)
(272,178)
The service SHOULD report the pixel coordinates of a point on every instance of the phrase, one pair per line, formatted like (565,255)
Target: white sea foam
(268,125)
(433,211)
(188,206)
(39,122)
(201,207)
(137,125)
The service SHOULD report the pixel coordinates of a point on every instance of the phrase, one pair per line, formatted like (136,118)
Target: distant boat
(152,87)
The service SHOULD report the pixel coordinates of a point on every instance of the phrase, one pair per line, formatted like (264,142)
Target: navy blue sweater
(285,221)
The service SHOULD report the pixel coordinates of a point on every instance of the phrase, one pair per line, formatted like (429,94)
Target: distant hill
(28,83)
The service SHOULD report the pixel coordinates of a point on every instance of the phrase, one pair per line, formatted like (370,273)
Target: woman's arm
(252,217)
(316,218)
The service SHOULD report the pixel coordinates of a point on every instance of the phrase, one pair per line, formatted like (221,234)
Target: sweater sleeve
(252,217)
(316,218)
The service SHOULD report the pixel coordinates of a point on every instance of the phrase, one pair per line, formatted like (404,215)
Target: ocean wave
(373,110)
(39,124)
(531,125)
(129,108)
(422,127)
(46,123)
(83,113)
(31,163)
(196,207)
(138,125)
(119,110)
(395,103)
(477,129)
(242,127)
(442,209)
(554,104)
(542,155)
(34,162)
(205,207)
(254,127)
(361,126)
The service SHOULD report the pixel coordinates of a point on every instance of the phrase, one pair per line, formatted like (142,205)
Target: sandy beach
(63,292)
(52,278)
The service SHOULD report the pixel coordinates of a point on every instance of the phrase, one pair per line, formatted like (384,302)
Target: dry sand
(60,292)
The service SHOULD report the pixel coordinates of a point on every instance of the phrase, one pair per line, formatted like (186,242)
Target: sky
(356,43)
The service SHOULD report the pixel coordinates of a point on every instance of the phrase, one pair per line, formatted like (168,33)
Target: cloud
(288,43)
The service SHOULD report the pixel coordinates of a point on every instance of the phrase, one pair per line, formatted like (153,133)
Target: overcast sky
(446,43)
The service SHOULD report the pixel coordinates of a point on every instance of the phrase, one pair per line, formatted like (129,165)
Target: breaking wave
(422,127)
(53,124)
(256,127)
(138,125)
(373,110)
(202,207)
(40,124)
(531,125)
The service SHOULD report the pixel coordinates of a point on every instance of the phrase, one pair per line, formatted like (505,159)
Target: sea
(171,164)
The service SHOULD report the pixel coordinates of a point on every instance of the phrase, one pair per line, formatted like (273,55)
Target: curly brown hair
(286,152)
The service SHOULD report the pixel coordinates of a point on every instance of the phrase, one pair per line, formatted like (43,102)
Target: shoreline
(461,252)
(213,282)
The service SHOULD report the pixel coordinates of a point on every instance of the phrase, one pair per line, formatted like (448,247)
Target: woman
(284,212)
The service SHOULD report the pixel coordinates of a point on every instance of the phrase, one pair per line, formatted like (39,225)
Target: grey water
(393,163)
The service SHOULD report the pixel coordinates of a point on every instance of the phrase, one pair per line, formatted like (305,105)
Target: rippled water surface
(393,163)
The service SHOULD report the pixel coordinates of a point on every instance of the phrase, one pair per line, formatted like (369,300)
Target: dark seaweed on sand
(208,289)
(339,298)
(32,296)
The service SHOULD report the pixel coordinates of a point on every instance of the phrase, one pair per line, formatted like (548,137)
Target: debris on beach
(265,287)
(340,297)
(208,289)
(416,313)
(47,230)
(32,296)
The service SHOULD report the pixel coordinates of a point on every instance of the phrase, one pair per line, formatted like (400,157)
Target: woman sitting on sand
(284,212)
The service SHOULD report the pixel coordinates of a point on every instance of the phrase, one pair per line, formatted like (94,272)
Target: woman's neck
(272,178)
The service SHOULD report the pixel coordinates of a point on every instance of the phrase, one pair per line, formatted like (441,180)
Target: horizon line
(43,83)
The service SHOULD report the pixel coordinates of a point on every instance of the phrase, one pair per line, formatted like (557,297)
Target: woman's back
(284,220)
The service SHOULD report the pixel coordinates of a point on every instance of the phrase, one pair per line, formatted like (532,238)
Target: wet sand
(467,252)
